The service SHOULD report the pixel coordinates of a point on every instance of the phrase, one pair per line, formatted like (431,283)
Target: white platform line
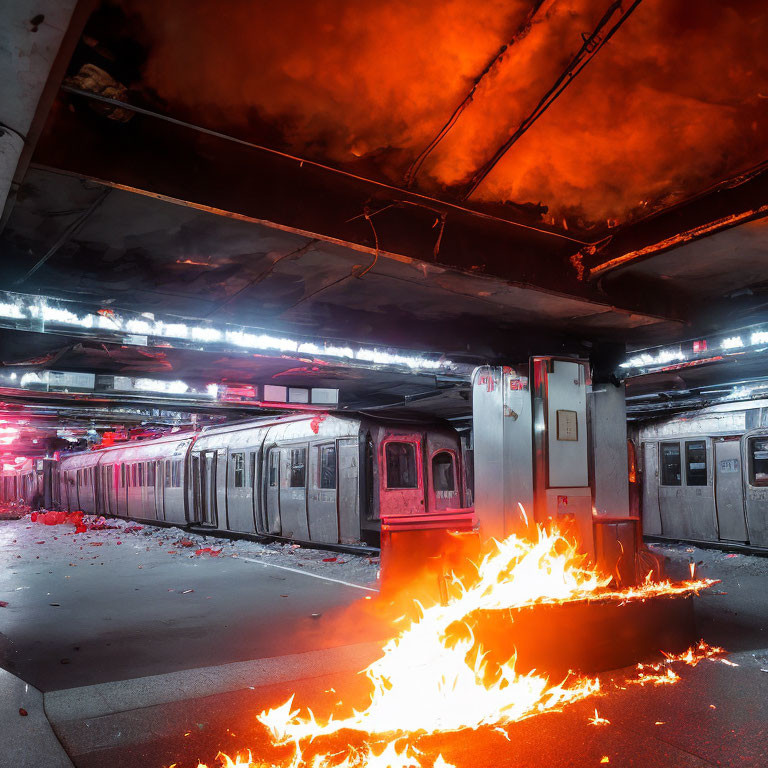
(308,573)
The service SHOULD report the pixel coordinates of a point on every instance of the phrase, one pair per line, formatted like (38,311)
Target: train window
(298,467)
(327,466)
(442,471)
(238,469)
(274,467)
(401,465)
(758,461)
(79,477)
(696,462)
(167,474)
(176,473)
(670,463)
(150,473)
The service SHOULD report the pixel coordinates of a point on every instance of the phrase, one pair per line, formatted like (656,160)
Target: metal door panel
(348,452)
(208,487)
(159,490)
(729,491)
(757,494)
(651,514)
(321,505)
(222,512)
(239,501)
(272,465)
(293,501)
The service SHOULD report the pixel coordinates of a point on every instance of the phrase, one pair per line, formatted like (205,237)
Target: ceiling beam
(165,158)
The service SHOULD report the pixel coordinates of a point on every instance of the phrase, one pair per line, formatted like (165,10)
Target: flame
(597,720)
(427,681)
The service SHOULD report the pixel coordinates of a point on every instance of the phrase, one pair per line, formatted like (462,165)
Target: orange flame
(424,682)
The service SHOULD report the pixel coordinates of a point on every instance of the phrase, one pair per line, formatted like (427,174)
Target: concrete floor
(182,678)
(84,610)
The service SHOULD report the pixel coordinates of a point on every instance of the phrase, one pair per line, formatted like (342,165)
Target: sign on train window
(670,463)
(327,466)
(758,461)
(298,467)
(442,471)
(238,469)
(401,465)
(696,462)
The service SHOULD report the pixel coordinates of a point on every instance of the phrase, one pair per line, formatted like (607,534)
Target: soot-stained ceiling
(428,95)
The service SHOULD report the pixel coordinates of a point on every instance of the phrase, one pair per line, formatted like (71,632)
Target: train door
(121,471)
(651,513)
(674,518)
(195,482)
(113,476)
(729,491)
(272,491)
(756,478)
(293,492)
(443,481)
(401,482)
(102,507)
(349,491)
(208,488)
(322,509)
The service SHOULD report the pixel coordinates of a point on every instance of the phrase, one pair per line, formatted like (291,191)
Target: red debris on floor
(209,551)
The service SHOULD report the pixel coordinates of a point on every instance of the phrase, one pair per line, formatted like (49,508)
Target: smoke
(675,101)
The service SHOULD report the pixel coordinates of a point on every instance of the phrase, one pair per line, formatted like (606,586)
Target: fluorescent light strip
(40,308)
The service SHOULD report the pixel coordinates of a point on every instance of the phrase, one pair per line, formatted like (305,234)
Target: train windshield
(758,464)
(401,465)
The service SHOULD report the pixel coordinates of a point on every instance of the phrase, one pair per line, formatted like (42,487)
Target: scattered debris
(209,550)
(23,712)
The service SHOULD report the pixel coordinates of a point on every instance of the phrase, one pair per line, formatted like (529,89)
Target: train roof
(143,450)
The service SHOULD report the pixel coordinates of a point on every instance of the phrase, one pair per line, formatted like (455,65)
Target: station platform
(156,674)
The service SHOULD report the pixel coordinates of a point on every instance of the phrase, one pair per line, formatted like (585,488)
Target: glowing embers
(662,674)
(389,756)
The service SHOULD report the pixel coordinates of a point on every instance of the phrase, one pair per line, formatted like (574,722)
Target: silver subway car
(705,475)
(311,477)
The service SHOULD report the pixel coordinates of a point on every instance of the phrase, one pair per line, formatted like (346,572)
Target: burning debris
(431,679)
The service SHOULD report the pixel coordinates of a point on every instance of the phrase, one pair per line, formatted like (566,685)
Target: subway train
(705,475)
(23,482)
(307,477)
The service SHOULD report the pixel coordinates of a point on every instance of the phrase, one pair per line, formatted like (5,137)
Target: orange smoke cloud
(674,102)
